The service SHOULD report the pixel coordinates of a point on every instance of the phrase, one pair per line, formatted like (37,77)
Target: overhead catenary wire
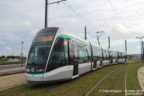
(81,17)
(89,25)
(115,10)
(116,13)
(86,22)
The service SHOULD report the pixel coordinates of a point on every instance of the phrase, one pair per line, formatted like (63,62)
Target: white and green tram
(56,55)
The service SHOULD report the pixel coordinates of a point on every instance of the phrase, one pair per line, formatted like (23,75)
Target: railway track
(89,92)
(125,79)
(107,75)
(105,80)
(29,85)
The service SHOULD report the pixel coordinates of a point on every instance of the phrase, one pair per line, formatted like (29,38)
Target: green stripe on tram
(35,73)
(64,36)
(68,37)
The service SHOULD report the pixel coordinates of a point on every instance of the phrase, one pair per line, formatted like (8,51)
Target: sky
(122,20)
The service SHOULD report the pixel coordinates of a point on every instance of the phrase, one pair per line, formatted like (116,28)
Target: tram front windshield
(40,48)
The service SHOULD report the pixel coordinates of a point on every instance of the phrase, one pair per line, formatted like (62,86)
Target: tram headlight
(40,70)
(27,70)
(33,70)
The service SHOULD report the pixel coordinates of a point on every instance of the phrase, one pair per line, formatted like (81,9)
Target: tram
(56,55)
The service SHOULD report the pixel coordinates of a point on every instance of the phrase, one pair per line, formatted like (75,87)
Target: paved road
(11,69)
(12,66)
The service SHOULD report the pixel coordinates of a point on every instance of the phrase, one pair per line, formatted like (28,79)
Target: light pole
(22,52)
(109,42)
(142,55)
(98,34)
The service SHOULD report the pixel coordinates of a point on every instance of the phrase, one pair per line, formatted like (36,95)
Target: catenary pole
(126,45)
(108,41)
(46,13)
(46,9)
(85,32)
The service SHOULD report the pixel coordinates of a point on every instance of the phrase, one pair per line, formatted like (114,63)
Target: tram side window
(88,51)
(75,51)
(105,55)
(59,55)
(79,53)
(120,55)
(97,53)
(94,53)
(123,56)
(114,55)
(110,54)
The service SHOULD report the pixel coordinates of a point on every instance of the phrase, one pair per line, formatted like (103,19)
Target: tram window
(79,52)
(59,55)
(105,54)
(40,48)
(39,53)
(76,55)
(88,53)
(71,52)
(96,53)
(66,50)
(113,54)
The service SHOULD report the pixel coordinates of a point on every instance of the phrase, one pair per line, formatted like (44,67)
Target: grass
(81,85)
(6,62)
(116,81)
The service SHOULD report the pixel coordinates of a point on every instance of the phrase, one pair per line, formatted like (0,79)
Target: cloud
(98,14)
(27,23)
(34,32)
(12,37)
(120,31)
(2,43)
(7,22)
(9,51)
(138,47)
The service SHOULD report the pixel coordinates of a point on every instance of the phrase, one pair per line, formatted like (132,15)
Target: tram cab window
(40,49)
(59,55)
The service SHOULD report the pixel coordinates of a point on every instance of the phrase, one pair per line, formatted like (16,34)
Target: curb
(140,78)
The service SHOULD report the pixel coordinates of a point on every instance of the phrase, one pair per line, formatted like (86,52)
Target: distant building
(134,57)
(13,60)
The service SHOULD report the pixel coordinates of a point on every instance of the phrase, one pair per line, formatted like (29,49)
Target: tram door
(95,64)
(76,58)
(75,68)
(73,56)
